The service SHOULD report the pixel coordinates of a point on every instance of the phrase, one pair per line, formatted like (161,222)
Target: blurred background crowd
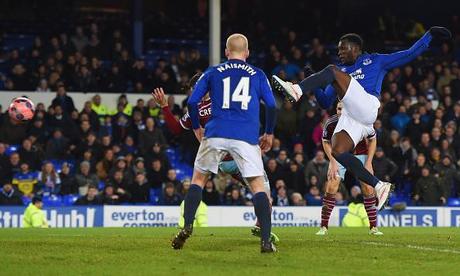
(126,154)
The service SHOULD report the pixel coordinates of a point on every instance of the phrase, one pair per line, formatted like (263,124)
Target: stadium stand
(418,125)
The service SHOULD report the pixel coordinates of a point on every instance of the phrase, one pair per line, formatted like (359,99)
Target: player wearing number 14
(236,89)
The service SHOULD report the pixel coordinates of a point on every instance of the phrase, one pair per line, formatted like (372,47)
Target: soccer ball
(21,109)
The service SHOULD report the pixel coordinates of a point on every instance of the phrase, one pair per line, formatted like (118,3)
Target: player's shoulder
(369,58)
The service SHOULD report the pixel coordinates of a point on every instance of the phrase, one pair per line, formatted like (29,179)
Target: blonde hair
(237,43)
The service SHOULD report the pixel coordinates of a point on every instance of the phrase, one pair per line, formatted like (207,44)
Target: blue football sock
(262,209)
(352,164)
(192,201)
(318,80)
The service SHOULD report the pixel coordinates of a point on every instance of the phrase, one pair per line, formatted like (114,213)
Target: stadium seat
(27,200)
(155,196)
(453,202)
(52,200)
(69,200)
(11,149)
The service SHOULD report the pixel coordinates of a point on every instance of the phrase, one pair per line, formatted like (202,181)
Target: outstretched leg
(331,74)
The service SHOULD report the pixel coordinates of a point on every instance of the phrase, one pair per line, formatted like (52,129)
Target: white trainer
(382,191)
(375,231)
(322,231)
(291,91)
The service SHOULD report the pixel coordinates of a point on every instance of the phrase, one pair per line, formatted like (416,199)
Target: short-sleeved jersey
(235,88)
(204,111)
(328,131)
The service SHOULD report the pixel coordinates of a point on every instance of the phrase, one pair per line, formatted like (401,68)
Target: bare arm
(333,169)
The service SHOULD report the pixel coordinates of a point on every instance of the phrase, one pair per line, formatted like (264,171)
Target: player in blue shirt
(235,88)
(357,81)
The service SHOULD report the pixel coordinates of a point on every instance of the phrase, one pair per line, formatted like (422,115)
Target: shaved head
(237,46)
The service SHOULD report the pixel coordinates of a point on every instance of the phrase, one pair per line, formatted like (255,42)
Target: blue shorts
(342,170)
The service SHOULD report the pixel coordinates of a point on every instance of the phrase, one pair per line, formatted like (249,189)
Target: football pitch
(229,251)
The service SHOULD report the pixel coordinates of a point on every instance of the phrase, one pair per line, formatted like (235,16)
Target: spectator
(14,166)
(273,171)
(79,39)
(295,178)
(48,180)
(281,198)
(150,136)
(210,194)
(400,120)
(91,197)
(171,177)
(58,146)
(317,166)
(119,181)
(25,180)
(384,168)
(122,166)
(10,196)
(114,197)
(11,132)
(297,200)
(235,198)
(68,182)
(63,100)
(448,175)
(85,178)
(156,174)
(30,154)
(428,191)
(286,125)
(157,153)
(170,197)
(139,166)
(183,187)
(104,166)
(313,197)
(140,189)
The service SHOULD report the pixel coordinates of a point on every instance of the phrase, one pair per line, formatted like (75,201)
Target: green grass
(216,251)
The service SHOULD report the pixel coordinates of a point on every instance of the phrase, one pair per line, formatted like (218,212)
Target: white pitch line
(417,247)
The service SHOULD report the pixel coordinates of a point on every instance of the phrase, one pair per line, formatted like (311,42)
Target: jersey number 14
(240,94)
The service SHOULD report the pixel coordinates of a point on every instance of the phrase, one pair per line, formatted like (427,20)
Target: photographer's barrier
(166,216)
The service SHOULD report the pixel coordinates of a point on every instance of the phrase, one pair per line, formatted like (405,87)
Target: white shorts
(248,158)
(342,170)
(359,113)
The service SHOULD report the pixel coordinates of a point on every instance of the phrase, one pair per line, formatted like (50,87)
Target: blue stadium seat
(11,149)
(155,196)
(453,202)
(69,200)
(52,200)
(26,200)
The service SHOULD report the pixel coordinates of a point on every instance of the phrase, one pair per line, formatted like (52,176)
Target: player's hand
(159,97)
(369,168)
(439,34)
(199,133)
(265,142)
(332,170)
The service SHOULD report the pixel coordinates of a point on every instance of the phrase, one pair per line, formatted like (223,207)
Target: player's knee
(338,150)
(199,178)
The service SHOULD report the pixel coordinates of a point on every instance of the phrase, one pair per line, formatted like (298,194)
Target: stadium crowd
(119,156)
